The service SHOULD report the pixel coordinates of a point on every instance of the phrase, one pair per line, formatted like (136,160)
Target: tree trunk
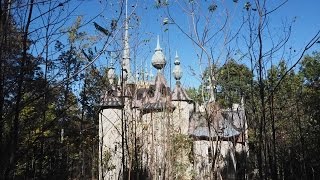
(15,128)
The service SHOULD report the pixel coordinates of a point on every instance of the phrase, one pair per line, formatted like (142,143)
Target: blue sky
(150,24)
(306,25)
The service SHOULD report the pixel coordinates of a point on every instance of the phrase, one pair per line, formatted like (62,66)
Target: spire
(126,51)
(177,72)
(177,61)
(158,44)
(158,59)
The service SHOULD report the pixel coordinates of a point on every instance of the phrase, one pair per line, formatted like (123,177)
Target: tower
(126,67)
(181,100)
(109,130)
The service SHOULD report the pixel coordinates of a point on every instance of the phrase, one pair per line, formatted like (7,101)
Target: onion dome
(158,59)
(177,72)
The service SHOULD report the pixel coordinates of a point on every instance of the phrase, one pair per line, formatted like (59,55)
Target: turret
(179,94)
(127,75)
(161,99)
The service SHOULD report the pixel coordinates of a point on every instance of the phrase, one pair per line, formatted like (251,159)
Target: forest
(54,69)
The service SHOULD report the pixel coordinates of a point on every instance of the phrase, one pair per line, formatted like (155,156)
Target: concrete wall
(110,142)
(202,161)
(181,116)
(154,139)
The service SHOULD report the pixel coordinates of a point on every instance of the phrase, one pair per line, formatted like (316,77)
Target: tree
(233,82)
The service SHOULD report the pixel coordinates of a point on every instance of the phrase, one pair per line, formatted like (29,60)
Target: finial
(177,72)
(176,61)
(127,76)
(158,44)
(158,59)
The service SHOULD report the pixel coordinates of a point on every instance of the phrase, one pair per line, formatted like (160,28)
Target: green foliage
(194,94)
(311,70)
(233,81)
(106,161)
(180,151)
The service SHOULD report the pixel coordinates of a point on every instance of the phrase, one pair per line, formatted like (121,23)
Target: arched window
(163,90)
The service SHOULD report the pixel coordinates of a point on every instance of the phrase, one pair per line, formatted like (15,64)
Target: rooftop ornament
(158,59)
(177,72)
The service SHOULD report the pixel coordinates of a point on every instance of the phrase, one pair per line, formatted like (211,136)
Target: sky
(147,22)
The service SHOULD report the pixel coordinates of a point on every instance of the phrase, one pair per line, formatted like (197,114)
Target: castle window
(139,96)
(151,92)
(163,90)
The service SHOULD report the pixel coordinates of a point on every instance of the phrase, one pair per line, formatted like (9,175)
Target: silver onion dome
(177,72)
(158,59)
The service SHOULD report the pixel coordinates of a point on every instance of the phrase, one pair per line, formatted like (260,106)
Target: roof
(179,94)
(158,106)
(225,124)
(140,97)
(111,99)
(111,102)
(235,117)
(161,99)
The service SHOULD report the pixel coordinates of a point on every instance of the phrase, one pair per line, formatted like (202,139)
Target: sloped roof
(179,94)
(161,99)
(235,117)
(112,102)
(140,97)
(225,131)
(225,124)
(111,99)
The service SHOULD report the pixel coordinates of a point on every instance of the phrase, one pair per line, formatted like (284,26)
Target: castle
(148,131)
